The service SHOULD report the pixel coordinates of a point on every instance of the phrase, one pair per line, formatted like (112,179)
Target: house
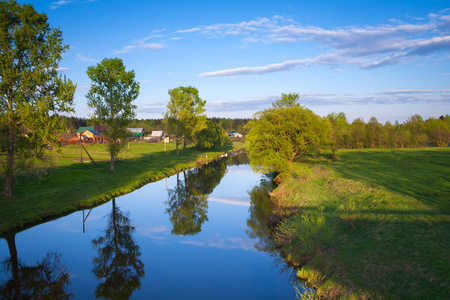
(83,129)
(234,134)
(136,130)
(156,135)
(90,134)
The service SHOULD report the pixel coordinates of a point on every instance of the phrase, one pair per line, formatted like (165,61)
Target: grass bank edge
(353,238)
(16,218)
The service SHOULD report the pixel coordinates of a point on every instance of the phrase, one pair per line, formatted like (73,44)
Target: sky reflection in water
(185,240)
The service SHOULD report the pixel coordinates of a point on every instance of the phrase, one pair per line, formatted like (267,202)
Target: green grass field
(373,224)
(65,185)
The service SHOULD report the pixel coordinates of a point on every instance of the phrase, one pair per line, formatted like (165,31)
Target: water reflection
(117,264)
(260,211)
(260,226)
(45,280)
(187,204)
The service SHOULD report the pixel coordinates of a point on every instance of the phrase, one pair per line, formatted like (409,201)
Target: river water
(199,234)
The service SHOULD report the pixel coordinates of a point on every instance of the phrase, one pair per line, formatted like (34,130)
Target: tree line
(279,136)
(414,132)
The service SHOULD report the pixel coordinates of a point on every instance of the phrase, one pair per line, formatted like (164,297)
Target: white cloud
(59,3)
(55,5)
(368,47)
(140,45)
(85,59)
(62,70)
(188,30)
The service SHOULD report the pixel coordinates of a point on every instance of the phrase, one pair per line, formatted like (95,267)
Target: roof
(138,134)
(93,131)
(157,133)
(83,129)
(135,129)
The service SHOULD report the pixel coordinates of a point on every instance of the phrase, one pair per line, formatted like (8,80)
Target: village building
(137,133)
(89,134)
(156,135)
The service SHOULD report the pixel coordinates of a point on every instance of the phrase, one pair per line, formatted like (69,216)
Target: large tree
(111,95)
(185,113)
(280,135)
(340,126)
(32,94)
(210,136)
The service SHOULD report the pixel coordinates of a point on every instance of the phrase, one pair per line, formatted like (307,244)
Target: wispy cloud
(140,46)
(62,70)
(59,3)
(368,47)
(318,99)
(85,59)
(311,100)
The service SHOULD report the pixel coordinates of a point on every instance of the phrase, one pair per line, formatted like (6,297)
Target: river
(199,234)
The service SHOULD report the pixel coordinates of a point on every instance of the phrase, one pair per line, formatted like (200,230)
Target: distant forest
(414,132)
(73,123)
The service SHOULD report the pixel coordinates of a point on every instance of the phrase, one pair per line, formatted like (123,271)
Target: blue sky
(388,59)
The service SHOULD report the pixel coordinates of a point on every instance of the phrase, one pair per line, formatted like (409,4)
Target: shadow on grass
(68,188)
(388,254)
(423,174)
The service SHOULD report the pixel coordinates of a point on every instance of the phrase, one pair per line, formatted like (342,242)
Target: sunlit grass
(388,214)
(67,185)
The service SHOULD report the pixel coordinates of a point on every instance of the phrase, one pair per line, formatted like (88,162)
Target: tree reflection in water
(187,204)
(260,210)
(45,280)
(259,224)
(117,265)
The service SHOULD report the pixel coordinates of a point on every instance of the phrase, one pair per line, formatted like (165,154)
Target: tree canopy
(32,93)
(210,136)
(185,113)
(279,136)
(112,92)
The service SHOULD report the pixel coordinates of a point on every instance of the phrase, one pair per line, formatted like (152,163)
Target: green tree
(32,94)
(185,113)
(358,133)
(340,127)
(210,136)
(111,95)
(287,100)
(374,133)
(416,127)
(279,136)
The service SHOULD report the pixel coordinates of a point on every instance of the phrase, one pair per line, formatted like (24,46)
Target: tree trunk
(112,163)
(10,239)
(176,143)
(9,165)
(184,143)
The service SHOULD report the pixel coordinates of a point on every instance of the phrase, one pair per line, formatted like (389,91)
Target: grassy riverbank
(67,185)
(372,224)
